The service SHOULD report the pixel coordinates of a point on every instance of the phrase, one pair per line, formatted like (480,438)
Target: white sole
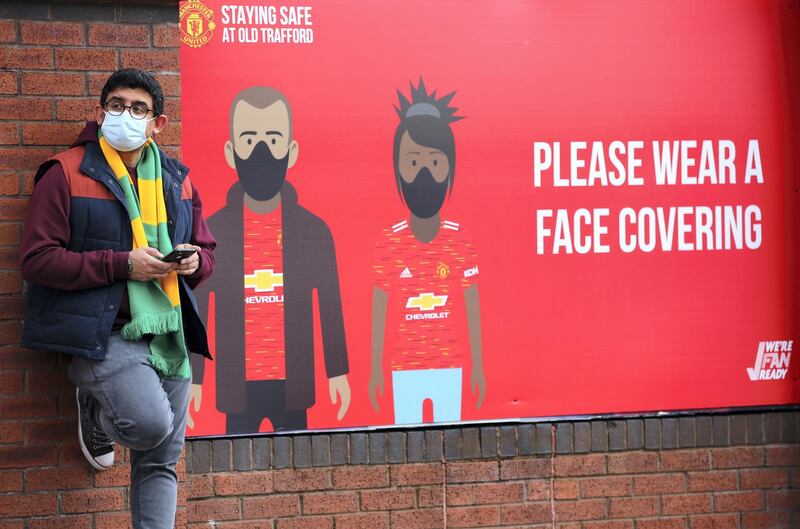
(92,461)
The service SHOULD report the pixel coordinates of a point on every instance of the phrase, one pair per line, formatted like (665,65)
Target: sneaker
(97,447)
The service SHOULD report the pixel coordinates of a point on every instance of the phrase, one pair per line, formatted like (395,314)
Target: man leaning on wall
(102,215)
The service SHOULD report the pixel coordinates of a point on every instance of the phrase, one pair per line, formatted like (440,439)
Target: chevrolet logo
(263,281)
(426,301)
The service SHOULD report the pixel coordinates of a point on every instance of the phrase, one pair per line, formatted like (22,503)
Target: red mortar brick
(632,463)
(525,468)
(94,500)
(377,520)
(661,523)
(611,524)
(485,494)
(114,520)
(361,477)
(214,509)
(13,57)
(737,457)
(273,506)
(27,108)
(86,59)
(9,233)
(711,481)
(330,502)
(783,499)
(388,499)
(684,460)
(421,474)
(62,522)
(763,478)
(589,465)
(10,432)
(525,513)
(11,481)
(471,471)
(11,381)
(687,504)
(60,134)
(166,36)
(8,82)
(243,483)
(581,510)
(783,456)
(634,507)
(76,109)
(150,60)
(66,84)
(118,35)
(430,496)
(8,31)
(473,516)
(117,476)
(739,501)
(15,505)
(9,135)
(51,33)
(302,480)
(714,521)
(305,523)
(58,478)
(606,486)
(26,406)
(418,519)
(766,520)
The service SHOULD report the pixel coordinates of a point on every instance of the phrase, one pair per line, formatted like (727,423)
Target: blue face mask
(123,132)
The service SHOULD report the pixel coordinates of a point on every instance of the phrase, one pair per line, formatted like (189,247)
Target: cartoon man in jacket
(276,254)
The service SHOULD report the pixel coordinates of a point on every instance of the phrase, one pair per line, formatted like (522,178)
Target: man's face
(131,97)
(252,125)
(413,157)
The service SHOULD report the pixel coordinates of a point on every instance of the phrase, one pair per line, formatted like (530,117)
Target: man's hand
(339,385)
(375,387)
(478,385)
(146,266)
(195,398)
(188,266)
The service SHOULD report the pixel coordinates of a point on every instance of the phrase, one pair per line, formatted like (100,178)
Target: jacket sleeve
(43,255)
(330,310)
(202,237)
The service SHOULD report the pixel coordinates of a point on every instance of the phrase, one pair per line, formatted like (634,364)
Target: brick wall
(726,471)
(737,471)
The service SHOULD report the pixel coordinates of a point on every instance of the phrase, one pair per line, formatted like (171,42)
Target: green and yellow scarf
(155,305)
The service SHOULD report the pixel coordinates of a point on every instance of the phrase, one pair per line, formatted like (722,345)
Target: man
(424,262)
(276,254)
(101,216)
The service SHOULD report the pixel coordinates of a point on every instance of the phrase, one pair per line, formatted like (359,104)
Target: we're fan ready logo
(772,360)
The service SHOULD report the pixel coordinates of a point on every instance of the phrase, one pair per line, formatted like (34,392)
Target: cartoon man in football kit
(276,254)
(424,263)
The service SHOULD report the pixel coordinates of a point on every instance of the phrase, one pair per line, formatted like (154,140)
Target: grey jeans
(144,412)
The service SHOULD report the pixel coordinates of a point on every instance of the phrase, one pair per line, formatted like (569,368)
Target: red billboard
(486,211)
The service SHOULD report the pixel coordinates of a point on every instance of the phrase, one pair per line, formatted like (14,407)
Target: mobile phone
(177,254)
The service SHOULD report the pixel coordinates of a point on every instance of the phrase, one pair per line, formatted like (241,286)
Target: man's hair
(261,97)
(133,78)
(427,121)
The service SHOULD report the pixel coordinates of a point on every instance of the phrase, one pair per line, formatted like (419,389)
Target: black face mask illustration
(261,174)
(424,196)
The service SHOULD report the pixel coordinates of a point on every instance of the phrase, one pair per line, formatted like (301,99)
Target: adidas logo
(405,274)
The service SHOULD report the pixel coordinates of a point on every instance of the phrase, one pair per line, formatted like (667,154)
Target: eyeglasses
(116,108)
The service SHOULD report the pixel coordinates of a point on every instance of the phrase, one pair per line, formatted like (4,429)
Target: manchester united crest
(442,271)
(197,23)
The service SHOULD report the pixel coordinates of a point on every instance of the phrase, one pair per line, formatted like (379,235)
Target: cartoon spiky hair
(424,104)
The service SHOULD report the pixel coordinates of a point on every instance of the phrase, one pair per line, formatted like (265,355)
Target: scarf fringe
(149,323)
(178,368)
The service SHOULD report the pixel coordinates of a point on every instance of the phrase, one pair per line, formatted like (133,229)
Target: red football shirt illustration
(424,277)
(263,297)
